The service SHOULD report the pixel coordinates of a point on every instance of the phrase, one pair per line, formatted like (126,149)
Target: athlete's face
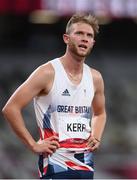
(80,40)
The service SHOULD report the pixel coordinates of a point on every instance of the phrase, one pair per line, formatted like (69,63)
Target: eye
(90,35)
(79,33)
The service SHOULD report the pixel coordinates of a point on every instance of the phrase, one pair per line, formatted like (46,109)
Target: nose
(85,38)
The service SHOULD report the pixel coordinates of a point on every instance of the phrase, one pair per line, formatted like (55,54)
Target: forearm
(98,125)
(15,119)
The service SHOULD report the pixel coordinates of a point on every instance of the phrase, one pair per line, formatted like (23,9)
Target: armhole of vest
(53,84)
(91,75)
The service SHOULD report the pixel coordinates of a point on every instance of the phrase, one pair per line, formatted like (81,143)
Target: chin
(83,55)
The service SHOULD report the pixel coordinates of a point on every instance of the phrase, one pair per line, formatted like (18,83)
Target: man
(70,106)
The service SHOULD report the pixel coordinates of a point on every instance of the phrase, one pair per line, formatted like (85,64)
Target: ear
(66,38)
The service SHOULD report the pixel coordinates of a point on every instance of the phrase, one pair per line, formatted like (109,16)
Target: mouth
(83,46)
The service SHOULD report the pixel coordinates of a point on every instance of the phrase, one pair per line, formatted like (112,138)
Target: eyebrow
(79,31)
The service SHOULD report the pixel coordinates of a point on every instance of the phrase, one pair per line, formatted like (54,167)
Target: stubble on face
(80,40)
(74,49)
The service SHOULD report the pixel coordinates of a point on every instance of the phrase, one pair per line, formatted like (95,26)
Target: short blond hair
(85,18)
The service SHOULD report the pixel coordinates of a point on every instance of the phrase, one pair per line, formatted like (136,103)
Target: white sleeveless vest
(66,110)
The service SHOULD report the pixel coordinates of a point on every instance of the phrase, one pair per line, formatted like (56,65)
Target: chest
(67,95)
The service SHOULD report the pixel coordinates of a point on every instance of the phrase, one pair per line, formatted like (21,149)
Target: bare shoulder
(43,76)
(97,79)
(42,73)
(45,69)
(96,75)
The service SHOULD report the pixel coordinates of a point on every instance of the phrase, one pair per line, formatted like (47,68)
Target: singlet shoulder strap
(58,67)
(89,76)
(55,63)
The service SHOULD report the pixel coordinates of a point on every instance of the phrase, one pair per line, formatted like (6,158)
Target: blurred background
(30,35)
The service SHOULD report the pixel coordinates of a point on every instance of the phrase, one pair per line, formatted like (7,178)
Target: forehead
(80,26)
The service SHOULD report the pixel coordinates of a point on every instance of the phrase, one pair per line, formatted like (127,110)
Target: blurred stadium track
(30,35)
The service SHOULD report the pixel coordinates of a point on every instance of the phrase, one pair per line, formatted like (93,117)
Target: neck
(72,64)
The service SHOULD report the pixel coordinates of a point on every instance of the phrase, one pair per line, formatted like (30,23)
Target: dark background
(29,38)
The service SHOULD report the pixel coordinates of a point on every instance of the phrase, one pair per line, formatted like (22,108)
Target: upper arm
(98,104)
(38,81)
